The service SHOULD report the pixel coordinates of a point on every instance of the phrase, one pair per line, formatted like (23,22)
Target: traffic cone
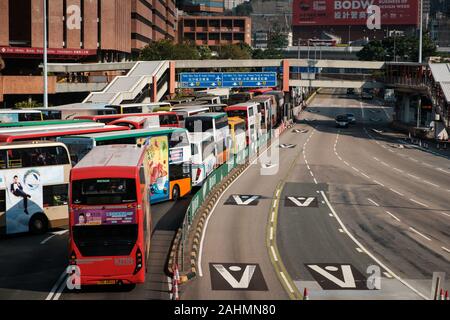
(305,294)
(441,294)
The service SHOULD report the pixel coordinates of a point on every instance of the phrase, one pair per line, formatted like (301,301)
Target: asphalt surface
(33,267)
(381,207)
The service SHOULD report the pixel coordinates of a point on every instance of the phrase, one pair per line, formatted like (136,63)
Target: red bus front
(107,238)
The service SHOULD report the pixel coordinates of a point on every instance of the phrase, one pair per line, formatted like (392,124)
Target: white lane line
(286,281)
(413,176)
(340,230)
(384,164)
(339,158)
(205,227)
(271,233)
(373,202)
(378,183)
(169,284)
(393,216)
(346,163)
(376,158)
(420,234)
(420,203)
(431,183)
(56,286)
(306,161)
(273,216)
(365,175)
(387,274)
(399,170)
(399,193)
(315,181)
(359,250)
(275,203)
(274,254)
(368,253)
(312,174)
(445,214)
(308,167)
(355,169)
(330,214)
(60,290)
(278,192)
(48,238)
(445,249)
(412,159)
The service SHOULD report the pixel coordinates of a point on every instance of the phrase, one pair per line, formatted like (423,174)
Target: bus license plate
(107,282)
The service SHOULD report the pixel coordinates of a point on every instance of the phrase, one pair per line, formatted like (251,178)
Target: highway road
(33,267)
(345,206)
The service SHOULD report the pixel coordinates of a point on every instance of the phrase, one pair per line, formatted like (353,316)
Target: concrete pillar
(406,108)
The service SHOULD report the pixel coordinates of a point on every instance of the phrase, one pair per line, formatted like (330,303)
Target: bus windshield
(104,191)
(197,125)
(237,113)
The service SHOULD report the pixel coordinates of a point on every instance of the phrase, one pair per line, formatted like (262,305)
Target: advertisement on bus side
(157,167)
(89,217)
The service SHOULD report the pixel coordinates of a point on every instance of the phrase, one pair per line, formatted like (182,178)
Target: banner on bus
(156,164)
(90,217)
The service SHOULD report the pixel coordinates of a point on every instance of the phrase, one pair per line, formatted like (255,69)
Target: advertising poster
(23,197)
(90,217)
(157,167)
(353,12)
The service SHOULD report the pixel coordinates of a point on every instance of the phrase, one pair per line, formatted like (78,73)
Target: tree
(167,50)
(235,52)
(405,48)
(244,9)
(205,52)
(28,104)
(277,40)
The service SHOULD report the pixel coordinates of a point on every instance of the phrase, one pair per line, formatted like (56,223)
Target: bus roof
(32,135)
(241,106)
(129,134)
(2,111)
(28,144)
(41,123)
(119,155)
(209,115)
(235,120)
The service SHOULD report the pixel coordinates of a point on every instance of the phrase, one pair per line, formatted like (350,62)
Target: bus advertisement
(110,218)
(157,164)
(34,179)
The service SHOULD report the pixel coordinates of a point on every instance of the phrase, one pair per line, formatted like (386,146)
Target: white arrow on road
(246,202)
(301,201)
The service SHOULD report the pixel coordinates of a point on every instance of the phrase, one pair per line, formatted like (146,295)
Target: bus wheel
(176,193)
(38,223)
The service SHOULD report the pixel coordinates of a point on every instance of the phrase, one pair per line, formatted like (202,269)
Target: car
(367,94)
(342,121)
(351,117)
(350,91)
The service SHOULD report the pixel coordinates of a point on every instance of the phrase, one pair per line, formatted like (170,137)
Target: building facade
(97,30)
(214,31)
(202,6)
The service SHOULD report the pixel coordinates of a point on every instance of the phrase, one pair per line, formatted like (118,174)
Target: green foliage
(168,50)
(244,9)
(405,48)
(205,52)
(235,52)
(277,40)
(28,105)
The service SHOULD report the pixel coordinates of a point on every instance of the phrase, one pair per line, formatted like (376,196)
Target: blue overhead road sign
(227,79)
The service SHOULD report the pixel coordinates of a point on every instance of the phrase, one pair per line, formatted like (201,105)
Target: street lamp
(421,31)
(45,56)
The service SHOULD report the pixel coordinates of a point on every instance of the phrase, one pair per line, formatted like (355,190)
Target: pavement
(347,216)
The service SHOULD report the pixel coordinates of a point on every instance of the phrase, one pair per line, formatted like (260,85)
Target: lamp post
(420,31)
(45,56)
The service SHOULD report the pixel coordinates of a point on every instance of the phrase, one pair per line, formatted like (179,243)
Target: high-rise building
(230,4)
(92,30)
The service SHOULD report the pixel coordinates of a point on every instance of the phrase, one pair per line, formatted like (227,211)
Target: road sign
(227,79)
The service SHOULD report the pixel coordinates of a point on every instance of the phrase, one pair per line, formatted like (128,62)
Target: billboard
(353,12)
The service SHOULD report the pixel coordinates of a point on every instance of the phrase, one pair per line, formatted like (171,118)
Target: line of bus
(110,218)
(203,156)
(170,180)
(217,124)
(34,184)
(157,119)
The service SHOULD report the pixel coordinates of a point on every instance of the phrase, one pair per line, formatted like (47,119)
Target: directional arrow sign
(305,202)
(287,146)
(243,200)
(237,276)
(333,276)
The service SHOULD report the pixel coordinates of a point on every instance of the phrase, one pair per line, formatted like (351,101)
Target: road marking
(384,164)
(274,254)
(420,234)
(413,176)
(445,214)
(355,169)
(330,214)
(275,203)
(339,158)
(393,216)
(271,233)
(430,183)
(273,216)
(312,174)
(365,175)
(169,284)
(62,277)
(393,190)
(359,250)
(420,203)
(445,249)
(55,233)
(376,158)
(340,230)
(368,253)
(412,159)
(60,290)
(387,274)
(308,167)
(286,282)
(346,163)
(398,170)
(48,238)
(378,183)
(278,192)
(315,181)
(306,161)
(373,202)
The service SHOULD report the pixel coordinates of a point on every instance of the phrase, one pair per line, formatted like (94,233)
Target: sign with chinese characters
(353,12)
(228,79)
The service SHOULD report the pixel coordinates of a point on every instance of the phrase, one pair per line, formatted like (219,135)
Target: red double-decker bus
(109,216)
